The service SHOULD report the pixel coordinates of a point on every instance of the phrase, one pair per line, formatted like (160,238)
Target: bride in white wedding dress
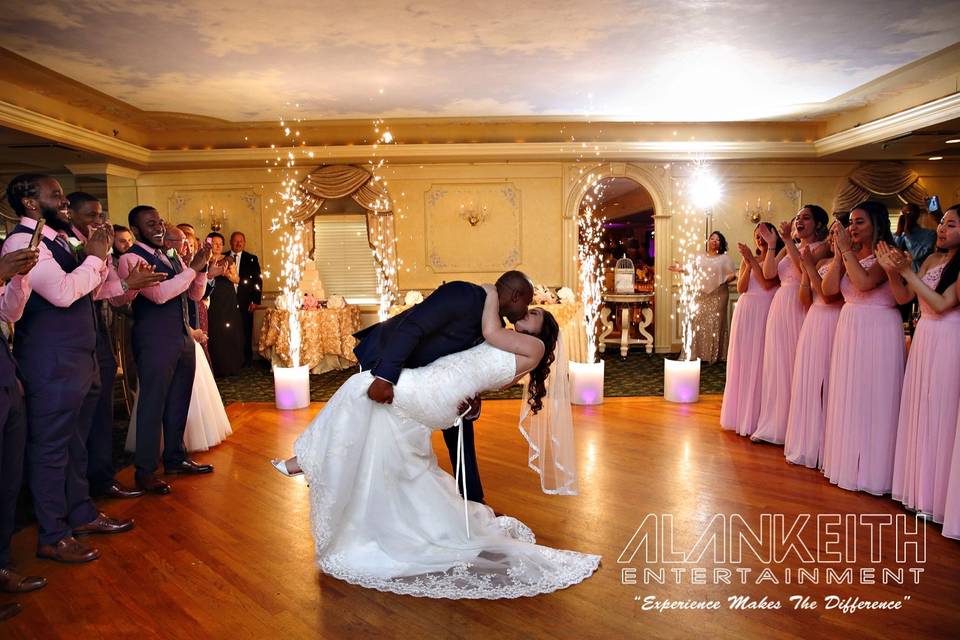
(385,516)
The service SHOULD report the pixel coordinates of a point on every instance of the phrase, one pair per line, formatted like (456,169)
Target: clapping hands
(786,230)
(841,237)
(100,241)
(769,235)
(143,275)
(893,260)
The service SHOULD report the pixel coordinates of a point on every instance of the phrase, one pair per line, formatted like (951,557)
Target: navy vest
(158,321)
(8,367)
(45,327)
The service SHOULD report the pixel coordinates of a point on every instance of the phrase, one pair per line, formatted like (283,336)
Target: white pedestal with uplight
(681,380)
(586,383)
(291,385)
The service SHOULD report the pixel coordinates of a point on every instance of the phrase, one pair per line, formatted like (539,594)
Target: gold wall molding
(454,245)
(898,124)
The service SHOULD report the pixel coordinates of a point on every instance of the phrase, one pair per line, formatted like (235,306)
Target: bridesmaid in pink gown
(786,318)
(866,366)
(951,513)
(931,388)
(741,393)
(803,443)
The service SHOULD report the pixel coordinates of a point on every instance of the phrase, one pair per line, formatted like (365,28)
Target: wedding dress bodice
(430,395)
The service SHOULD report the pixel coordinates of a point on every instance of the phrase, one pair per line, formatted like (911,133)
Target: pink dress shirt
(13,298)
(48,279)
(187,280)
(111,289)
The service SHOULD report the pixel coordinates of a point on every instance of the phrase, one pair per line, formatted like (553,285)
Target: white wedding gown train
(385,516)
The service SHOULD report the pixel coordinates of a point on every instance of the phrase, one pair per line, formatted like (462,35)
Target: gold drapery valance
(881,179)
(367,190)
(339,181)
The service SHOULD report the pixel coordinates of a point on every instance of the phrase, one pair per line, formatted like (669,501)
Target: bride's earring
(281,466)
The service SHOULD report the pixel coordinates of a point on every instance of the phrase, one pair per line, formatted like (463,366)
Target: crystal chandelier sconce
(756,213)
(215,219)
(472,214)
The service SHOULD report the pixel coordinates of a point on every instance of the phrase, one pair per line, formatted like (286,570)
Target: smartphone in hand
(37,234)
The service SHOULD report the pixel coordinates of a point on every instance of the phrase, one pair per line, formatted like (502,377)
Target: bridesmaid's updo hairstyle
(537,387)
(880,218)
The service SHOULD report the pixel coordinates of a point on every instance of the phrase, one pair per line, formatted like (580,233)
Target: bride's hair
(538,376)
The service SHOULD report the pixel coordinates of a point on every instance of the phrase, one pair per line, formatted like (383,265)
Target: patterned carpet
(638,375)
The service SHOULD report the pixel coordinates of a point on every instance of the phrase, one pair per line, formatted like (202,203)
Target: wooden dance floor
(230,555)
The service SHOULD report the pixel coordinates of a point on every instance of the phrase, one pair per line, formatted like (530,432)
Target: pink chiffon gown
(803,443)
(928,410)
(863,396)
(741,393)
(779,350)
(951,511)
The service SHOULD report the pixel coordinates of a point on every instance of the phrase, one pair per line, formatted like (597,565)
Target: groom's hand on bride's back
(380,391)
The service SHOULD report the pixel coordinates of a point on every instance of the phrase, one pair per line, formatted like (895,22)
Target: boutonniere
(172,254)
(76,246)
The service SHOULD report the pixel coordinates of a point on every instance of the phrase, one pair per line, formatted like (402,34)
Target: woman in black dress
(225,321)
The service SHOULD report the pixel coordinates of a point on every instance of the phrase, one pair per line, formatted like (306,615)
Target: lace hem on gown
(386,517)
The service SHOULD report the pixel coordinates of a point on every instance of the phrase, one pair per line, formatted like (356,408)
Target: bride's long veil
(550,432)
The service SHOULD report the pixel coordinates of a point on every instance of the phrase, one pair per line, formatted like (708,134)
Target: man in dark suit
(249,293)
(448,321)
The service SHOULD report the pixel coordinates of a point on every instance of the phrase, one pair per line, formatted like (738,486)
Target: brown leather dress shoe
(118,491)
(103,524)
(13,582)
(189,467)
(9,610)
(69,550)
(151,484)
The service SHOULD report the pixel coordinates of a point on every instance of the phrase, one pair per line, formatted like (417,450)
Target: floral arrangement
(310,301)
(543,295)
(566,295)
(412,298)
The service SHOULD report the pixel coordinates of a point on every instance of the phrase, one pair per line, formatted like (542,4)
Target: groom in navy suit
(447,321)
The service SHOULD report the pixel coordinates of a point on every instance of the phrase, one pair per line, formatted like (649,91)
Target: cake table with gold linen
(326,341)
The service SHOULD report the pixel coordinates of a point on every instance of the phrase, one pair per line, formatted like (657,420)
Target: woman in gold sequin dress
(710,320)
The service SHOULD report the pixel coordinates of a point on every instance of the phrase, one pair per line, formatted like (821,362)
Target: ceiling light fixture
(935,158)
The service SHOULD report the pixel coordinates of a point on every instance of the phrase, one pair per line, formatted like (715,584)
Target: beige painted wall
(526,205)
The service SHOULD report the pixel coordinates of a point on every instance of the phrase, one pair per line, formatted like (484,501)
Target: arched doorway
(628,234)
(645,185)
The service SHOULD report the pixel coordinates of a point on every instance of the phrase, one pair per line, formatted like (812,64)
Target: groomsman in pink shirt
(55,348)
(15,267)
(163,349)
(86,214)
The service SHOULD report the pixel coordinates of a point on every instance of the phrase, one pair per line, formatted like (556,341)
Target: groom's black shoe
(118,491)
(151,484)
(188,467)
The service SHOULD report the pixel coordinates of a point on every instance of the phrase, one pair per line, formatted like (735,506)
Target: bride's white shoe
(281,466)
